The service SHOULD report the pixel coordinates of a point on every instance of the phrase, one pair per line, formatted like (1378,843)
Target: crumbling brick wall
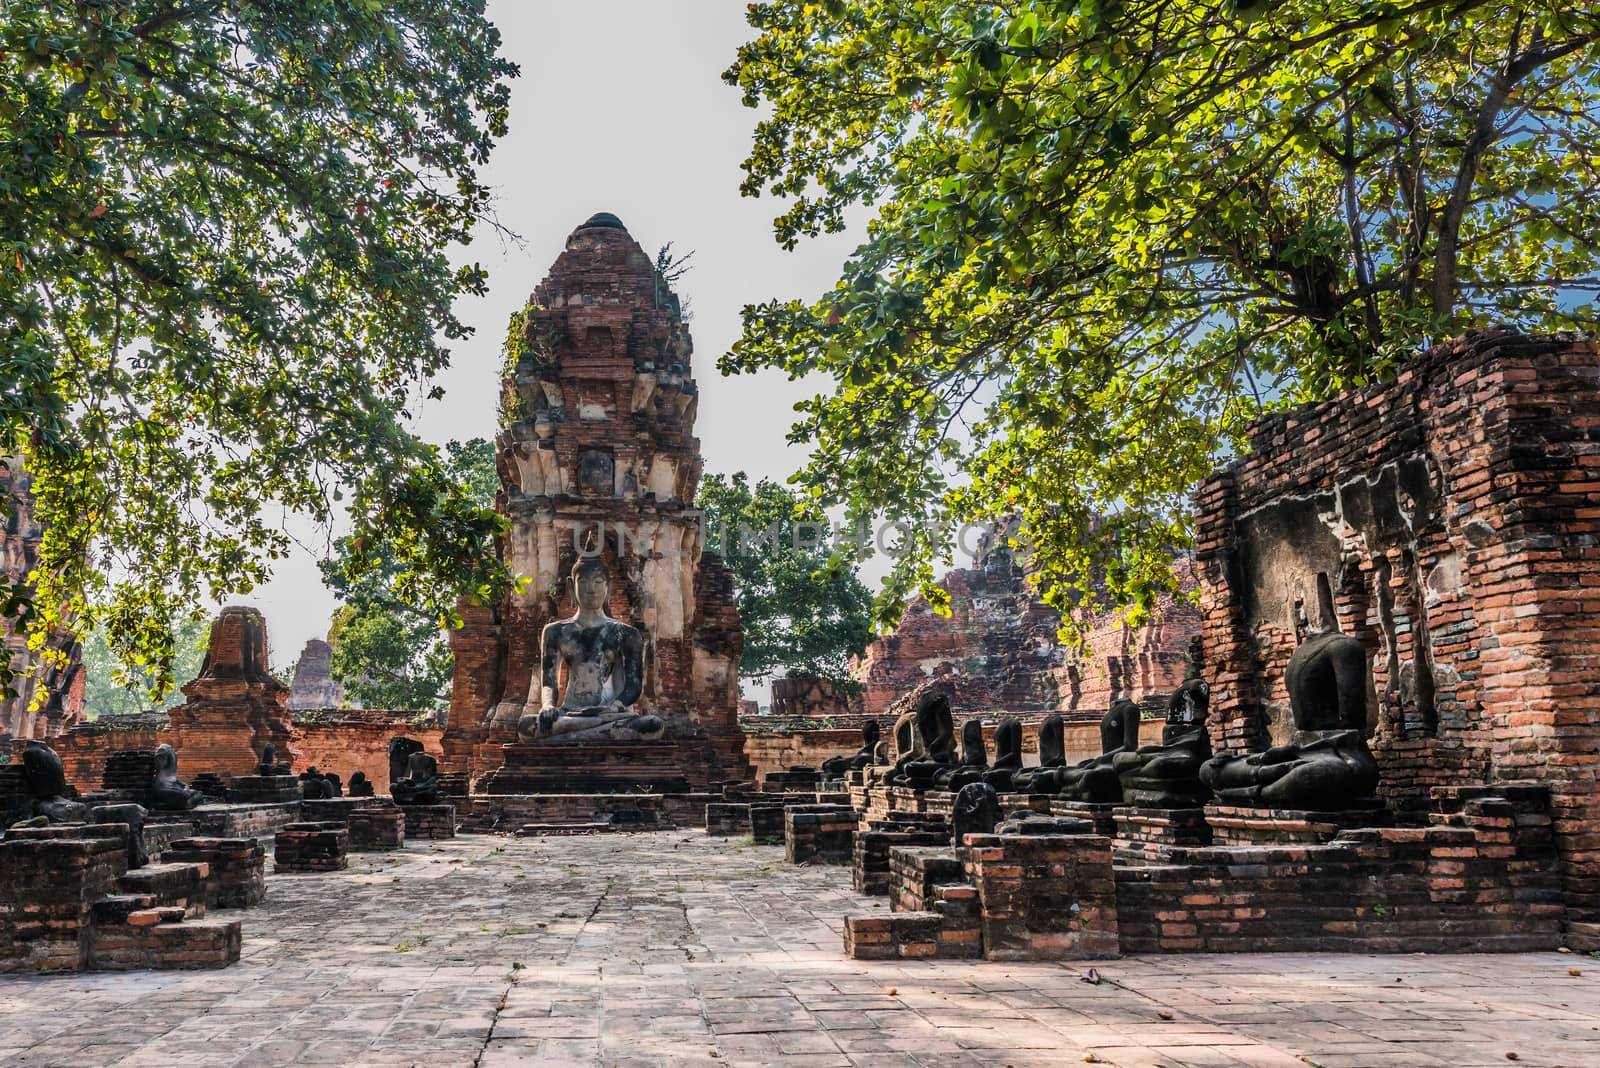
(1452,518)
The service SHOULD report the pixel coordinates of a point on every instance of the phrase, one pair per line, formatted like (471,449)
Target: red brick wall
(1455,516)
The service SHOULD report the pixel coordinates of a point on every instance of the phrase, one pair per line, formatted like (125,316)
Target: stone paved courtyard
(675,948)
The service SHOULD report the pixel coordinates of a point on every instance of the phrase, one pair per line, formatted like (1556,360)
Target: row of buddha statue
(1325,766)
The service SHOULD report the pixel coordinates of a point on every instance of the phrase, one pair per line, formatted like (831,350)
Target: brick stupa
(597,442)
(235,706)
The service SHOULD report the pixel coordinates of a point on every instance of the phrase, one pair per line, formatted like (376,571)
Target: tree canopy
(801,610)
(110,690)
(1108,235)
(388,650)
(224,272)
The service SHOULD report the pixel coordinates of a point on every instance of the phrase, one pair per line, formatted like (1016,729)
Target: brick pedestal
(264,789)
(819,835)
(429,821)
(377,828)
(236,876)
(869,871)
(1044,898)
(1238,825)
(727,819)
(1101,817)
(531,768)
(1149,832)
(311,847)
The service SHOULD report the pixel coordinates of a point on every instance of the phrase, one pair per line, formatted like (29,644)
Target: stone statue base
(590,768)
(589,727)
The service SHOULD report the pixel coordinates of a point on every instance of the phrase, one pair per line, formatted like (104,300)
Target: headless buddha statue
(1045,779)
(604,663)
(1095,780)
(1168,775)
(973,762)
(1326,766)
(165,793)
(840,766)
(936,729)
(1007,755)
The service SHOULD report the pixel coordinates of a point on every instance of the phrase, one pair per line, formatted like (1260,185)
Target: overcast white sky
(620,108)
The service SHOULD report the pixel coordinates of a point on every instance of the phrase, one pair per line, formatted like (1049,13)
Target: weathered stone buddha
(1095,780)
(1326,766)
(971,764)
(604,663)
(165,793)
(976,811)
(936,729)
(46,780)
(1168,775)
(420,784)
(269,762)
(840,766)
(905,748)
(1046,778)
(360,786)
(1007,755)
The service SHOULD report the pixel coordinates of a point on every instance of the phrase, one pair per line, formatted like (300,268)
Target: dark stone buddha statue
(131,816)
(840,766)
(313,787)
(420,784)
(1007,755)
(1095,780)
(1326,766)
(269,762)
(46,780)
(1168,775)
(165,793)
(1045,779)
(936,729)
(360,785)
(971,764)
(902,747)
(976,811)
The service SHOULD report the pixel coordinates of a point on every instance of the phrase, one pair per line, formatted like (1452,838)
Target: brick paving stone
(662,949)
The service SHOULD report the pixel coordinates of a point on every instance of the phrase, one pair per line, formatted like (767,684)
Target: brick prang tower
(597,451)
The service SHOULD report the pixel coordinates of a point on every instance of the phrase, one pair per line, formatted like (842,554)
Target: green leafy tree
(1109,235)
(389,650)
(109,689)
(802,610)
(224,270)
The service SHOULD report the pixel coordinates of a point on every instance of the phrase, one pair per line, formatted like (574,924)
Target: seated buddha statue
(1095,780)
(604,663)
(1007,755)
(1168,775)
(973,762)
(165,793)
(1326,765)
(936,729)
(840,766)
(1052,760)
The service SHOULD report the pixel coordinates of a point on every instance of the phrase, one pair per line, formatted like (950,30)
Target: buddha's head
(591,583)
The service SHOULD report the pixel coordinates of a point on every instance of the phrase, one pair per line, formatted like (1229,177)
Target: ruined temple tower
(597,451)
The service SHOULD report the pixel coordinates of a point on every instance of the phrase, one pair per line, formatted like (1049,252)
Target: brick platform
(1478,881)
(586,769)
(236,869)
(870,871)
(377,828)
(311,847)
(819,834)
(1044,898)
(430,821)
(1148,831)
(1235,825)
